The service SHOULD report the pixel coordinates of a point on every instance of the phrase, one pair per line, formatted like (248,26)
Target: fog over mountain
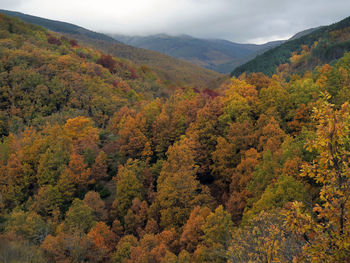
(233,20)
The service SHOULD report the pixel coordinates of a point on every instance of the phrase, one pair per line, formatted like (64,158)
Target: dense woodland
(323,45)
(102,161)
(172,71)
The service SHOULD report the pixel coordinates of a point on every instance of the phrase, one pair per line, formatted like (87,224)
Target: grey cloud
(236,20)
(10,3)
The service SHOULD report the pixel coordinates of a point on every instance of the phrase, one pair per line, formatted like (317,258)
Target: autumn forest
(105,160)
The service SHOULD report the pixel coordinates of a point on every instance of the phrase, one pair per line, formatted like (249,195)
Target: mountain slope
(45,77)
(97,166)
(322,45)
(172,71)
(304,32)
(216,54)
(58,26)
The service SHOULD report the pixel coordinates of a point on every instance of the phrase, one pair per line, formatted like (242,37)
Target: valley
(112,153)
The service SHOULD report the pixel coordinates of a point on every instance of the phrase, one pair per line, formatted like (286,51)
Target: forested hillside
(102,162)
(321,46)
(216,54)
(172,71)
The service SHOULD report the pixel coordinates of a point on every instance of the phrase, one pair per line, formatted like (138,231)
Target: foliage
(96,167)
(328,236)
(129,186)
(327,43)
(264,239)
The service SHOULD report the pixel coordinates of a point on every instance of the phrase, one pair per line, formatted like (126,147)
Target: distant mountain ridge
(58,26)
(169,69)
(304,33)
(304,51)
(216,54)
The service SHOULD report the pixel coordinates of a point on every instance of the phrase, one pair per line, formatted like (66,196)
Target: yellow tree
(328,235)
(132,142)
(129,182)
(178,189)
(264,239)
(82,133)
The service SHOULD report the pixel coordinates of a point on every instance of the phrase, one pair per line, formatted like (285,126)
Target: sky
(243,21)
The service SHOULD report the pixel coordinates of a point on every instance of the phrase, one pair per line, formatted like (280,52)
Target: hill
(172,71)
(304,32)
(219,55)
(101,162)
(49,77)
(323,45)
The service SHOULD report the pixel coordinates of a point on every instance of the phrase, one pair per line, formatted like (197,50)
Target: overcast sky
(245,21)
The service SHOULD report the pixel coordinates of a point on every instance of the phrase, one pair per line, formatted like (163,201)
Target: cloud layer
(253,21)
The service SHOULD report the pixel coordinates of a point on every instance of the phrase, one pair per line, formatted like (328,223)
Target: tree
(118,119)
(94,201)
(275,100)
(132,141)
(287,189)
(176,115)
(79,217)
(240,100)
(103,240)
(136,217)
(47,201)
(78,172)
(82,133)
(99,168)
(240,138)
(265,238)
(270,135)
(15,181)
(204,132)
(16,249)
(52,164)
(178,189)
(241,177)
(123,249)
(259,80)
(108,62)
(117,229)
(225,159)
(68,247)
(129,182)
(217,235)
(28,225)
(192,234)
(328,237)
(264,174)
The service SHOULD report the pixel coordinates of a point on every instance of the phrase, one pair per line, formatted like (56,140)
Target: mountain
(172,71)
(216,54)
(304,32)
(58,26)
(47,77)
(102,162)
(313,47)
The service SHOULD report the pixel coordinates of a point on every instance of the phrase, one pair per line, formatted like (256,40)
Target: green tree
(79,217)
(286,189)
(178,189)
(123,248)
(217,235)
(328,237)
(28,225)
(129,182)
